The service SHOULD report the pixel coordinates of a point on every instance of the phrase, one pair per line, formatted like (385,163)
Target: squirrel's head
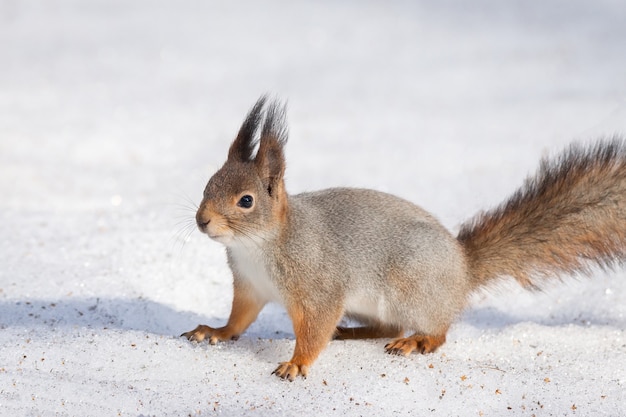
(245,200)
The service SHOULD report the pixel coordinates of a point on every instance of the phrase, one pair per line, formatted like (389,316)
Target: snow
(113,115)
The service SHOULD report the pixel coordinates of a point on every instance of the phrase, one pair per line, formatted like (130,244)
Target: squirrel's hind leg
(367,332)
(417,342)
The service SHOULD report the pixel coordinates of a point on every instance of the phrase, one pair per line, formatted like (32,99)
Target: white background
(113,114)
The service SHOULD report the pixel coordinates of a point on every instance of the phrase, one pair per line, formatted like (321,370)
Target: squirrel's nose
(202,222)
(203,225)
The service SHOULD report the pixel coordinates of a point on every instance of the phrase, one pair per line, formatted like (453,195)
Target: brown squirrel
(384,261)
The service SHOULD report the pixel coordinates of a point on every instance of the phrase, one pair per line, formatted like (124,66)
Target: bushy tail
(567,219)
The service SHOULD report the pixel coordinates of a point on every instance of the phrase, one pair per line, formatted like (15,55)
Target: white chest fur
(249,262)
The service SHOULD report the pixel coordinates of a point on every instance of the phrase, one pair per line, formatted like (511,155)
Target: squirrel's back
(366,223)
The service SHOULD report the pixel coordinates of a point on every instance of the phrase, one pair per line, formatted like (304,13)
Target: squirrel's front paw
(203,332)
(289,370)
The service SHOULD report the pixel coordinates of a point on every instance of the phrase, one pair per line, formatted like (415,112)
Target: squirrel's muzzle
(202,220)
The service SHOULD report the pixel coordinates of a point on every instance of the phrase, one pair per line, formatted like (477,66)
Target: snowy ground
(113,114)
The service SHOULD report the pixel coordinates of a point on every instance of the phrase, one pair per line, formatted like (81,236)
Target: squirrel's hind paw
(419,342)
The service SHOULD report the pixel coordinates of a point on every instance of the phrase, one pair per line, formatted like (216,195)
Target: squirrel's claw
(214,335)
(200,333)
(421,343)
(289,371)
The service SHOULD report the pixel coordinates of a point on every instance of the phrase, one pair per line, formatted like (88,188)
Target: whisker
(184,216)
(185,206)
(182,235)
(184,221)
(249,233)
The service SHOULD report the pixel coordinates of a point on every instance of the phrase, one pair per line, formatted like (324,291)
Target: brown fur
(567,219)
(367,332)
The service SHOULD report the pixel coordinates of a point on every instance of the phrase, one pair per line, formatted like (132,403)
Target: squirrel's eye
(246,201)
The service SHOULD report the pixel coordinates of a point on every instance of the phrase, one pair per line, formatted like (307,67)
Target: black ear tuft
(275,125)
(270,159)
(244,144)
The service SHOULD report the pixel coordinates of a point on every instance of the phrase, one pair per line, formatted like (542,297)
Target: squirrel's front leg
(245,309)
(313,328)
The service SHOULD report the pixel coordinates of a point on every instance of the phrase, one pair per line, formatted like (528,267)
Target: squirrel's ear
(270,159)
(242,147)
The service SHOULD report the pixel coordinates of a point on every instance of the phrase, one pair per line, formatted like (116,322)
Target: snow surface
(113,114)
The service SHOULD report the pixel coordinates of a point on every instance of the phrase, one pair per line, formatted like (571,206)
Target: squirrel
(385,262)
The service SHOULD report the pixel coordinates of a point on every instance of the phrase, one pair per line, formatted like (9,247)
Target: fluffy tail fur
(567,219)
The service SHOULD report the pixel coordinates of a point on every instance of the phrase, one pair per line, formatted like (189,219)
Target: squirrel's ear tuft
(270,159)
(243,146)
(275,125)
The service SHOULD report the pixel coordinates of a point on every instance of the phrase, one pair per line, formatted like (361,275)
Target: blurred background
(113,114)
